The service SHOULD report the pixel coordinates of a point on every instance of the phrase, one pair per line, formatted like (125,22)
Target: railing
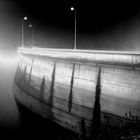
(113,57)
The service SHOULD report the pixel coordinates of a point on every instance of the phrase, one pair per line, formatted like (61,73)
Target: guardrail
(115,57)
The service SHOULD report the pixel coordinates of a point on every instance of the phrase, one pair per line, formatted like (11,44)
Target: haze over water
(9,116)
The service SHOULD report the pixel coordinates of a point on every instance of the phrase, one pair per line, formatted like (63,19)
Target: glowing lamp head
(72,9)
(25,18)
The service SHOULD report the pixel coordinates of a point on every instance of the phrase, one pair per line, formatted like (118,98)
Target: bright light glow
(6,60)
(25,18)
(72,9)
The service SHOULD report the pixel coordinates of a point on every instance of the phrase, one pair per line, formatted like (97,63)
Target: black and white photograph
(70,69)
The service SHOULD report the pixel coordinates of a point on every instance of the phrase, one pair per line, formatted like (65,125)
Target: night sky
(111,25)
(92,16)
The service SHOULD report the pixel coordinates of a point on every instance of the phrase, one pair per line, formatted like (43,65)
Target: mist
(9,117)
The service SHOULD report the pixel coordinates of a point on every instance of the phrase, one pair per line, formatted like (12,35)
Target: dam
(81,90)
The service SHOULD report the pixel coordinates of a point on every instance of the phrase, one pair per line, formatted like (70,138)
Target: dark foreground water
(32,125)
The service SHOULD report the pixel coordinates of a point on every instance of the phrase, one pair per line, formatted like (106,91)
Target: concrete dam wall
(79,89)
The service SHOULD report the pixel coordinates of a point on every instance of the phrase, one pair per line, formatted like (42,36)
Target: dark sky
(100,24)
(92,15)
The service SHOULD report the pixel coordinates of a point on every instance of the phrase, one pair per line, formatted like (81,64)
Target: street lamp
(73,9)
(31,26)
(25,18)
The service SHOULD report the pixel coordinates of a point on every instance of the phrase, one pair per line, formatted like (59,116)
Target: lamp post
(25,18)
(73,9)
(31,26)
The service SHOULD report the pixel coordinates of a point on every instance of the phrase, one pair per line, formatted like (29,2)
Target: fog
(9,117)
